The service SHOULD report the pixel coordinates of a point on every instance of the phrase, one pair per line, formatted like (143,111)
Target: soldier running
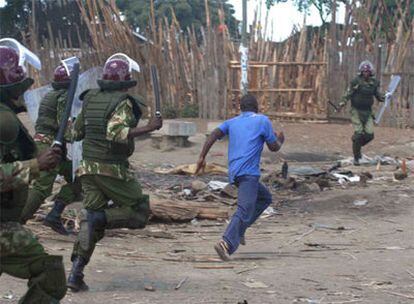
(21,254)
(247,134)
(51,109)
(108,126)
(361,92)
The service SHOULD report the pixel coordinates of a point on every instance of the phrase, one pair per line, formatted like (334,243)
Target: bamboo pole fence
(293,79)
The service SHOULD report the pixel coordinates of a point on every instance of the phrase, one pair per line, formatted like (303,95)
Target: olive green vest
(98,106)
(47,119)
(363,98)
(22,148)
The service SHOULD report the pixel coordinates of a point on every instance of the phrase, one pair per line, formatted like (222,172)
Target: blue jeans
(253,198)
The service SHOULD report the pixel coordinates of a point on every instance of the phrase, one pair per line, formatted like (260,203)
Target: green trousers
(363,123)
(130,208)
(42,187)
(22,256)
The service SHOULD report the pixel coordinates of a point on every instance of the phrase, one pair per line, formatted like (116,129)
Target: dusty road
(319,248)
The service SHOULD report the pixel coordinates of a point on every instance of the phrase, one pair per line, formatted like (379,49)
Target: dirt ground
(319,247)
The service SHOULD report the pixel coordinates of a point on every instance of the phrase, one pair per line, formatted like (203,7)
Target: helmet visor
(69,63)
(133,65)
(25,55)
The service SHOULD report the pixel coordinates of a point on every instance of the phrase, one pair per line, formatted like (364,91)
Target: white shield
(32,98)
(395,80)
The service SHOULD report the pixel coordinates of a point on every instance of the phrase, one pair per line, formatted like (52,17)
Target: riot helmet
(118,67)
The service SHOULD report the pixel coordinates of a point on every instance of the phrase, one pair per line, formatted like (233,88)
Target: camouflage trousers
(42,188)
(130,208)
(22,256)
(363,124)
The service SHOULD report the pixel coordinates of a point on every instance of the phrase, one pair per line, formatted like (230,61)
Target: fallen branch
(186,211)
(181,283)
(214,267)
(411,297)
(303,235)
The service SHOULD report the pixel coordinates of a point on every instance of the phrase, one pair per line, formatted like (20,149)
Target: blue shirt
(247,134)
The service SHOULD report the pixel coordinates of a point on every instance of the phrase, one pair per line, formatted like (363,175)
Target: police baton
(74,75)
(156,88)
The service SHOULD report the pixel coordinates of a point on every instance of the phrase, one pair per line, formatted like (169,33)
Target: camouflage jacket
(17,174)
(60,109)
(14,172)
(117,131)
(361,93)
(17,165)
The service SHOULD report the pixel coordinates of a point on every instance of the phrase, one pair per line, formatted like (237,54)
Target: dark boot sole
(56,227)
(76,288)
(221,253)
(242,241)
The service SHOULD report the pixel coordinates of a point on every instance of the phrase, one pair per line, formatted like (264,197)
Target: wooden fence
(292,79)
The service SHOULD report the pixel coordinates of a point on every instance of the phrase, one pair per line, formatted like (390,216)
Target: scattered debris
(255,284)
(9,295)
(362,202)
(181,283)
(306,300)
(302,235)
(229,190)
(214,266)
(182,211)
(149,288)
(378,284)
(308,187)
(198,186)
(411,297)
(306,171)
(371,161)
(247,270)
(285,170)
(342,178)
(190,169)
(400,175)
(324,226)
(217,185)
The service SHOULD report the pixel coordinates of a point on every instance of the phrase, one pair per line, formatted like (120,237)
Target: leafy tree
(15,18)
(188,12)
(324,7)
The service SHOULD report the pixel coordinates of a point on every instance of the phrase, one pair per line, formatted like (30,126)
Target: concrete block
(169,143)
(179,128)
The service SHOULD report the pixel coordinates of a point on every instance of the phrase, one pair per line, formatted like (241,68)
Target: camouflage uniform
(21,255)
(361,92)
(46,130)
(102,182)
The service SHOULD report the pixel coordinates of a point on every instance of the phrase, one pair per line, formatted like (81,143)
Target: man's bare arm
(155,123)
(214,136)
(275,146)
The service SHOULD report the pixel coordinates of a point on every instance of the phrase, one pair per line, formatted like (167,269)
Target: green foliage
(16,16)
(324,7)
(188,12)
(189,111)
(13,18)
(170,112)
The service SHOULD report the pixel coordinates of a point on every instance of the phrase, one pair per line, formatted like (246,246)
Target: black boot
(356,148)
(75,279)
(54,220)
(89,222)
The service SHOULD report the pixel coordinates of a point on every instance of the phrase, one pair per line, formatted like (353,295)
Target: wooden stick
(181,283)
